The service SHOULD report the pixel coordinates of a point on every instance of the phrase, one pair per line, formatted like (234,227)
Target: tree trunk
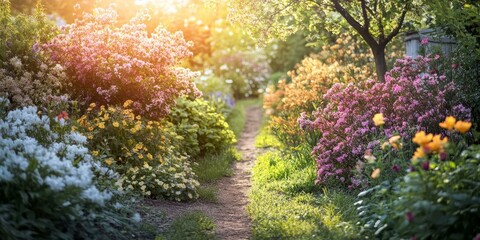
(380,62)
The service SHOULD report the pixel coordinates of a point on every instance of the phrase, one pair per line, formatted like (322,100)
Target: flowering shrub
(47,177)
(437,199)
(203,129)
(143,152)
(310,81)
(409,97)
(24,87)
(173,179)
(26,78)
(110,64)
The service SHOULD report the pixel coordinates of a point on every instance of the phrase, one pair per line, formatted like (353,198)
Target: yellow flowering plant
(124,141)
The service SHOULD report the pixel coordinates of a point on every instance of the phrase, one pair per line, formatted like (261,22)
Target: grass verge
(194,225)
(237,118)
(285,203)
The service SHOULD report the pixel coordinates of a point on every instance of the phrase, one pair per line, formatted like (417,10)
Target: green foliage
(21,33)
(284,55)
(195,225)
(203,129)
(440,201)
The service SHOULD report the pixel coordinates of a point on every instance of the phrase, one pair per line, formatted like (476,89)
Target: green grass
(285,203)
(265,138)
(194,225)
(237,117)
(208,193)
(216,166)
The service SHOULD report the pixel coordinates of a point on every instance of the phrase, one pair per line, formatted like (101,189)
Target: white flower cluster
(30,150)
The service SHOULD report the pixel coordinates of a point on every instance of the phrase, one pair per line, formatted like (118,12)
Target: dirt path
(229,212)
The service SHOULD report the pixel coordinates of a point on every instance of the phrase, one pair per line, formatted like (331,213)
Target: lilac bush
(411,99)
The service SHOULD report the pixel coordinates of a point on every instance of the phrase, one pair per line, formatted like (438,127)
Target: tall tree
(376,21)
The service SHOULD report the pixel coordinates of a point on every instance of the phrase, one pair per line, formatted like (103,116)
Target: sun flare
(169,6)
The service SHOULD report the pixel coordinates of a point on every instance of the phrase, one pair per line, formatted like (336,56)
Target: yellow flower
(394,141)
(384,145)
(124,123)
(375,173)
(139,146)
(419,153)
(112,109)
(95,153)
(106,117)
(145,165)
(140,156)
(115,124)
(138,117)
(449,123)
(74,128)
(378,119)
(462,126)
(149,156)
(101,125)
(437,143)
(92,105)
(127,103)
(421,138)
(109,161)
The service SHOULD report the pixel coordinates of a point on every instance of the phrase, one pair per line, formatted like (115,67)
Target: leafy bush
(147,154)
(26,78)
(109,64)
(410,99)
(437,199)
(47,176)
(203,129)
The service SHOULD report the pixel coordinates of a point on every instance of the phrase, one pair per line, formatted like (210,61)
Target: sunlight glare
(169,6)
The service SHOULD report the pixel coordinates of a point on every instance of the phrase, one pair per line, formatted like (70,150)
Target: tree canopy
(376,21)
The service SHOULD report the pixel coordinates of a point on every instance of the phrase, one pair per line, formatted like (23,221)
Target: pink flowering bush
(410,99)
(109,64)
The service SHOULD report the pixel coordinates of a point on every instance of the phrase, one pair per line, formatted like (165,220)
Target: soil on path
(229,212)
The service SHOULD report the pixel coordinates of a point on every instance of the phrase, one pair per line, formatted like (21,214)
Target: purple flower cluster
(410,99)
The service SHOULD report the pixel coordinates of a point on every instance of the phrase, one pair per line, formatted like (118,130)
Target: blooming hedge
(410,99)
(48,181)
(109,64)
(147,154)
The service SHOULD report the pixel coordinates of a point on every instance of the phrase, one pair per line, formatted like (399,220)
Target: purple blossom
(426,165)
(409,98)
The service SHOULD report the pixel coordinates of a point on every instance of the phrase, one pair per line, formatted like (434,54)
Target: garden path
(229,212)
